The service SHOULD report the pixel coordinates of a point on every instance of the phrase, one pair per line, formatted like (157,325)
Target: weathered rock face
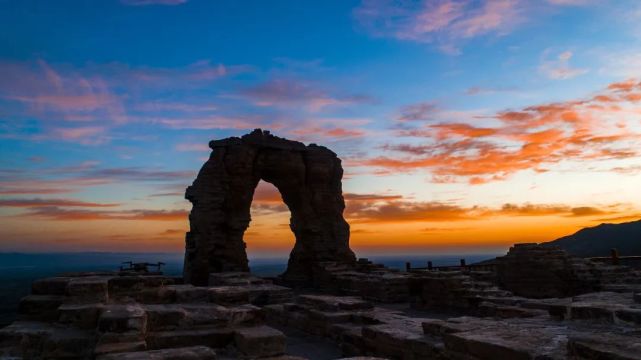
(309,180)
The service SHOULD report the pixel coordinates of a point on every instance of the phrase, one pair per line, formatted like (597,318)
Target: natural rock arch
(307,177)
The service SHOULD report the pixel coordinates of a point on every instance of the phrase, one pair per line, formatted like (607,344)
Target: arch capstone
(308,178)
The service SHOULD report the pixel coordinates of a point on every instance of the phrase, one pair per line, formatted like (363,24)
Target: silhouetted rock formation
(598,240)
(309,180)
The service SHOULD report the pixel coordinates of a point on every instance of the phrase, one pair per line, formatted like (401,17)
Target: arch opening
(268,239)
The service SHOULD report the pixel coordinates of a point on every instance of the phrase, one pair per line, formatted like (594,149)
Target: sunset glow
(463,125)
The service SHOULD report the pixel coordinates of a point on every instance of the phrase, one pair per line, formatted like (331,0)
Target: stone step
(400,342)
(622,288)
(50,286)
(335,303)
(182,316)
(604,346)
(84,316)
(103,348)
(110,342)
(265,294)
(123,319)
(259,341)
(235,279)
(137,287)
(88,289)
(39,340)
(228,295)
(212,337)
(40,307)
(506,312)
(184,353)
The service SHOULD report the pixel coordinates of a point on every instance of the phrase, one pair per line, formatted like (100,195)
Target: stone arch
(309,181)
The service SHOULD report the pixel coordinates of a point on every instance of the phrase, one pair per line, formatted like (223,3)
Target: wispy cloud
(598,128)
(418,111)
(296,92)
(72,179)
(444,22)
(382,209)
(559,68)
(448,24)
(37,202)
(62,214)
(86,135)
(192,147)
(214,122)
(52,94)
(82,104)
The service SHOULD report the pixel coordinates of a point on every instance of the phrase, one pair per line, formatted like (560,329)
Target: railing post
(429,265)
(408,266)
(463,263)
(614,253)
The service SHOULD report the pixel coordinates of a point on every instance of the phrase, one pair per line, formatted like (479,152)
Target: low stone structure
(371,281)
(537,271)
(453,315)
(307,177)
(89,315)
(453,290)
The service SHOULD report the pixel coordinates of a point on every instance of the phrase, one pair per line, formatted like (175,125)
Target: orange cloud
(526,139)
(368,208)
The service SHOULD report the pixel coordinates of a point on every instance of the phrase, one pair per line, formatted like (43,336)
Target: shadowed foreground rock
(309,180)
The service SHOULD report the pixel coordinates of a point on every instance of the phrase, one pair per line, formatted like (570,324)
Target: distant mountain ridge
(598,240)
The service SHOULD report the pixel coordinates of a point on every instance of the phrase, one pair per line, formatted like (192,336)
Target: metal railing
(463,266)
(615,258)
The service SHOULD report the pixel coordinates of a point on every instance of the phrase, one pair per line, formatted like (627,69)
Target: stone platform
(107,316)
(365,311)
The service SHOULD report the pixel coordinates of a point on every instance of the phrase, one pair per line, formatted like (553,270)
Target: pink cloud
(192,147)
(444,22)
(214,122)
(52,94)
(329,132)
(290,92)
(88,135)
(559,68)
(419,111)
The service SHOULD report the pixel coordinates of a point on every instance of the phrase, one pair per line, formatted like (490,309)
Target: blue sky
(463,116)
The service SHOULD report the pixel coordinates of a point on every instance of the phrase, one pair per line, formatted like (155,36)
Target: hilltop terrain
(598,240)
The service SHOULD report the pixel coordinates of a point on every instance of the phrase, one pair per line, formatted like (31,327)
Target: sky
(463,126)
